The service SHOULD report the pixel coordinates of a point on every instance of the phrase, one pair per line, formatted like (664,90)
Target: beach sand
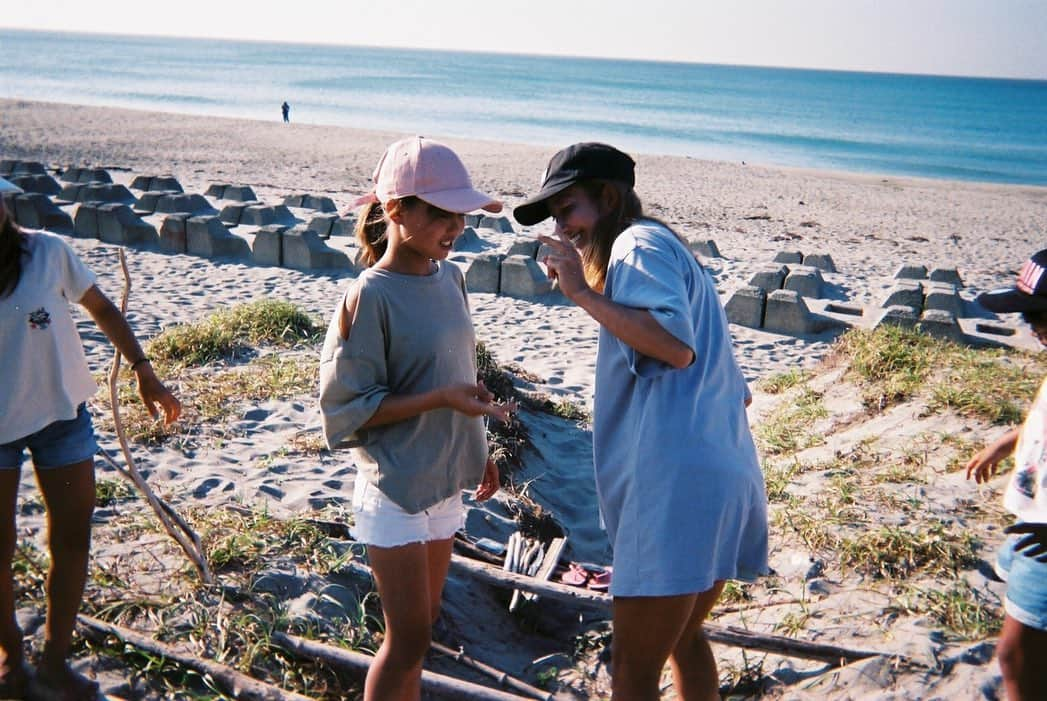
(869,224)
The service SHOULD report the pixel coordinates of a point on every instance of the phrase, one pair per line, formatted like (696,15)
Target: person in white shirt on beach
(1022,559)
(43,390)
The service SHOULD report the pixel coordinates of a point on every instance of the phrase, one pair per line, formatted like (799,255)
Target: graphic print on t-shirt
(40,319)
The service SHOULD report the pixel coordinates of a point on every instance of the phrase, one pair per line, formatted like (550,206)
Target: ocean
(981,129)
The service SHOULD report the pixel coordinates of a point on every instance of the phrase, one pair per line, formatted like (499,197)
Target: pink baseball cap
(430,171)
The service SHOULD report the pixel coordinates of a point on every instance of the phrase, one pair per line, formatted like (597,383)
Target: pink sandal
(575,576)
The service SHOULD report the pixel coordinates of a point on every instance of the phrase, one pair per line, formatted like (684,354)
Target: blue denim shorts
(58,444)
(1026,599)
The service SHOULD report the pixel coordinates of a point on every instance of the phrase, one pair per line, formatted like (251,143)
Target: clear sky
(1003,38)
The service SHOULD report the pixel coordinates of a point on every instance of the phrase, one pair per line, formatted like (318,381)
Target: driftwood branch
(493,672)
(599,602)
(236,684)
(357,664)
(172,522)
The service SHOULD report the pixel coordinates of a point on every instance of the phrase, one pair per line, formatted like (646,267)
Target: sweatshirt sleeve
(648,276)
(354,372)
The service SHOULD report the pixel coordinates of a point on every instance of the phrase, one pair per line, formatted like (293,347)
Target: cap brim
(536,209)
(1010,300)
(461,201)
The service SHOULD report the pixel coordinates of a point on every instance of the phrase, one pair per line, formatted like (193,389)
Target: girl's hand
(565,265)
(475,400)
(983,465)
(153,393)
(489,484)
(1033,545)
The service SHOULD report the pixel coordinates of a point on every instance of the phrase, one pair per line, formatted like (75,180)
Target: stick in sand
(172,522)
(237,684)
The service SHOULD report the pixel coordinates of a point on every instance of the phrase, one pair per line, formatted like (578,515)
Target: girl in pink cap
(398,384)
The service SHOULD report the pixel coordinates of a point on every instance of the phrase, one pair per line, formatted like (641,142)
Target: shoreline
(6,102)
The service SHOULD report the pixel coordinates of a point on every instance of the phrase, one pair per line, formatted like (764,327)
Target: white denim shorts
(381,522)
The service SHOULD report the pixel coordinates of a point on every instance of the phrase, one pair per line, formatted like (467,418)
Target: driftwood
(236,684)
(493,672)
(358,663)
(597,601)
(172,522)
(726,635)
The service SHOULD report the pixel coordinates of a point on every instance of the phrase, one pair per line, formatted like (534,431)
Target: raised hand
(564,264)
(475,400)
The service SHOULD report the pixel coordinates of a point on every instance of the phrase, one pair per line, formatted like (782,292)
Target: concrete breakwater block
(706,249)
(468,240)
(821,261)
(42,184)
(156,183)
(942,297)
(263,215)
(948,275)
(330,224)
(524,247)
(805,281)
(146,202)
(484,273)
(303,249)
(118,224)
(86,175)
(17,167)
(306,201)
(523,277)
(97,192)
(746,306)
(770,278)
(34,210)
(174,233)
(786,312)
(789,257)
(191,204)
(911,272)
(207,236)
(501,224)
(232,213)
(238,193)
(268,245)
(85,223)
(907,294)
(899,315)
(941,324)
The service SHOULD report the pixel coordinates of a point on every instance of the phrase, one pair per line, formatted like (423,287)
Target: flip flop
(575,576)
(600,581)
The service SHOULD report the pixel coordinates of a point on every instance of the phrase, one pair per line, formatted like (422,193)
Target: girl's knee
(407,645)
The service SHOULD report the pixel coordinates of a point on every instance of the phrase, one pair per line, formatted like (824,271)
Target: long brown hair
(624,210)
(371,228)
(12,248)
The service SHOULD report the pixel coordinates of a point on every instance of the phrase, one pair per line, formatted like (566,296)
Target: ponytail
(12,248)
(370,232)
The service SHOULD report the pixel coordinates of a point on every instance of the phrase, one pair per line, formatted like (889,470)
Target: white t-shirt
(45,375)
(1026,495)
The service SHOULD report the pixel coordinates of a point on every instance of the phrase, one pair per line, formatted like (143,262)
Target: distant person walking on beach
(398,382)
(43,393)
(286,109)
(1022,559)
(679,485)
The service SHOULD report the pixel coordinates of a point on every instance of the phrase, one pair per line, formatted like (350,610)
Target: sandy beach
(869,224)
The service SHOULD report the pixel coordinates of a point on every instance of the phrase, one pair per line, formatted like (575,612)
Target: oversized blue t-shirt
(679,483)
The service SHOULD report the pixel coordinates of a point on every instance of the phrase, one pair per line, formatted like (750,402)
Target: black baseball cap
(1028,295)
(585,161)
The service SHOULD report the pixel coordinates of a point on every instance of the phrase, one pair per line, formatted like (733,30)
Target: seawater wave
(941,127)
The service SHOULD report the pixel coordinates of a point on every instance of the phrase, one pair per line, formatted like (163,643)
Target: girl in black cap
(1022,559)
(679,485)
